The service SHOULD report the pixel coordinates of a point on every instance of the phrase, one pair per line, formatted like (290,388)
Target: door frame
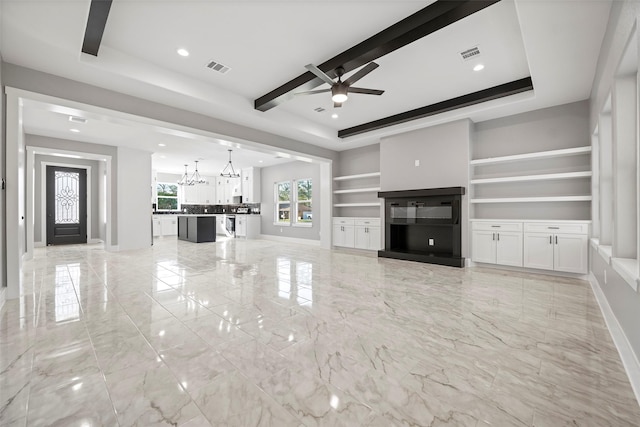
(43,199)
(104,203)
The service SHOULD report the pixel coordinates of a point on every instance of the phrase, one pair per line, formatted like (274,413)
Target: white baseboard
(3,296)
(290,240)
(94,241)
(112,248)
(628,357)
(39,244)
(529,270)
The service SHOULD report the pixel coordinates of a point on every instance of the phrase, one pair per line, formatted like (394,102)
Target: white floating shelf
(357,190)
(355,205)
(533,156)
(545,177)
(362,175)
(534,199)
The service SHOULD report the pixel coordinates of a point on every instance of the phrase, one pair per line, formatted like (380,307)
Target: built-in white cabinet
(251,185)
(559,247)
(367,234)
(545,245)
(359,233)
(497,243)
(227,189)
(248,226)
(157,227)
(200,194)
(343,232)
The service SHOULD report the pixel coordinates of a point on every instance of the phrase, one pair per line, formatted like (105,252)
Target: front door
(66,205)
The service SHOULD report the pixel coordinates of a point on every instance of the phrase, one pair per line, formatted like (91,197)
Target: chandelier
(184,180)
(196,178)
(228,171)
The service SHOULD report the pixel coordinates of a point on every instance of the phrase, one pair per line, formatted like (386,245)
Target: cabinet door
(157,227)
(247,185)
(207,192)
(170,226)
(190,194)
(509,248)
(241,226)
(538,251)
(220,191)
(375,238)
(361,238)
(483,246)
(343,235)
(571,253)
(338,235)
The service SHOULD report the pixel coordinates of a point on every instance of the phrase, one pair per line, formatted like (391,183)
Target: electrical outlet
(431,242)
(417,163)
(281,229)
(206,210)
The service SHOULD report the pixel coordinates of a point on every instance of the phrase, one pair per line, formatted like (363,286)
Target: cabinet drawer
(343,221)
(367,222)
(498,226)
(550,227)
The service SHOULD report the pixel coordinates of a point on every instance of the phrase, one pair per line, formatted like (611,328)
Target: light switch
(417,163)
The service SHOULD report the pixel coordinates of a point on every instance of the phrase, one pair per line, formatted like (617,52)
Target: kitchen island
(197,228)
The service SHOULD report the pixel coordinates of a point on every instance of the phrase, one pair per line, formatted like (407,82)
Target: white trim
(290,240)
(628,357)
(357,190)
(361,175)
(39,244)
(94,241)
(529,270)
(3,296)
(605,252)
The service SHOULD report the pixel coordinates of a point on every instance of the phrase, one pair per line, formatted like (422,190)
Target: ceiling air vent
(75,119)
(470,53)
(216,66)
(318,110)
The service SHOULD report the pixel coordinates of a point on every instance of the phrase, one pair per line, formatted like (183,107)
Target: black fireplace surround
(424,225)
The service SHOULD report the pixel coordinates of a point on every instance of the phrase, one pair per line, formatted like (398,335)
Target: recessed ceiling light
(74,130)
(334,116)
(478,67)
(163,157)
(162,145)
(260,161)
(183,52)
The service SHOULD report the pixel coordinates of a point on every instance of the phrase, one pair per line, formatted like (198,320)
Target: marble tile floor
(262,333)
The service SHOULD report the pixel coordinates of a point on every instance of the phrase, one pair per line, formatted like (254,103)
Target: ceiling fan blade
(363,72)
(318,72)
(365,91)
(313,92)
(337,104)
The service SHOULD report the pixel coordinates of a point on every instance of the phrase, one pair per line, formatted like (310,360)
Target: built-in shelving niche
(356,195)
(553,184)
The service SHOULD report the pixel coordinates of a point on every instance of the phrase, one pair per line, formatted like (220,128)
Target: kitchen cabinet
(197,229)
(157,227)
(558,247)
(248,226)
(227,189)
(367,234)
(497,243)
(200,194)
(251,185)
(165,225)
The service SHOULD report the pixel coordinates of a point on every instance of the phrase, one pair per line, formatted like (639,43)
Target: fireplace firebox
(424,225)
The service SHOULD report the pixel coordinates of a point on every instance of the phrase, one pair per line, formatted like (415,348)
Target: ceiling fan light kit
(340,89)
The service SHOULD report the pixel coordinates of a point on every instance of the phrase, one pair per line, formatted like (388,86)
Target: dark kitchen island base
(197,229)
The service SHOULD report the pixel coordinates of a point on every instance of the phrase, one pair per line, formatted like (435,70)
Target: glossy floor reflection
(259,333)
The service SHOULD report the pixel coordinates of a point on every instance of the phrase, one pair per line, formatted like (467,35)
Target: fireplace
(424,225)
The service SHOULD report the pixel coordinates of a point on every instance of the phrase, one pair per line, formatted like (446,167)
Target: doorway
(66,205)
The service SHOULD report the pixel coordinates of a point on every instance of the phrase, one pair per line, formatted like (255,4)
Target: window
(304,213)
(167,196)
(283,203)
(293,207)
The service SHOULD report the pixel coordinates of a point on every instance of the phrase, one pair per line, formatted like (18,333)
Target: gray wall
(286,172)
(134,198)
(554,128)
(623,300)
(443,152)
(39,235)
(353,162)
(83,147)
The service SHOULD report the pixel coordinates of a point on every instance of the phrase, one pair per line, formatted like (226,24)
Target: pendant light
(184,180)
(196,178)
(228,171)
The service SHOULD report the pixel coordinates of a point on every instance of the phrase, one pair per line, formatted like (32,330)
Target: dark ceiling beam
(422,23)
(96,23)
(500,91)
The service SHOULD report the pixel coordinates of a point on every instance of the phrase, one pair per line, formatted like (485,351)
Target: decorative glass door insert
(67,197)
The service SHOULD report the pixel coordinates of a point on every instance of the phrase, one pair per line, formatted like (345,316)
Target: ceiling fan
(340,89)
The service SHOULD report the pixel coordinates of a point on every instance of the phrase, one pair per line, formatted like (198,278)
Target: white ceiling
(267,43)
